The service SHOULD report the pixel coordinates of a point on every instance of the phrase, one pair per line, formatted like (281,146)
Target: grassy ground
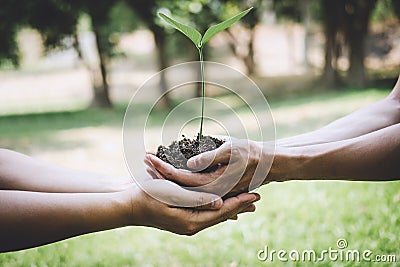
(292,215)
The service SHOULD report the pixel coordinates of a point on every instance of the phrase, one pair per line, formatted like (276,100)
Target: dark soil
(178,152)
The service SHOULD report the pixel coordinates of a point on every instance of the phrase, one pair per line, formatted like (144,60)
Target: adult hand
(243,166)
(164,205)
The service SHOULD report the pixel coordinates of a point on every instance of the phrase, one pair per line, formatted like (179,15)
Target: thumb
(210,158)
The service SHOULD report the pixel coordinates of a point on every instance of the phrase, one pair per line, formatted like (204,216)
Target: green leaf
(190,32)
(213,30)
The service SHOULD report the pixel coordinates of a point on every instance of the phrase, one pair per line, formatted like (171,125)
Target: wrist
(265,158)
(130,204)
(136,209)
(291,163)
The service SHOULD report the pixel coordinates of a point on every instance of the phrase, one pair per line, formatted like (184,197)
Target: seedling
(199,41)
(178,152)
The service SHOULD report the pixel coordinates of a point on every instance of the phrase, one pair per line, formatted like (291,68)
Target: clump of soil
(178,152)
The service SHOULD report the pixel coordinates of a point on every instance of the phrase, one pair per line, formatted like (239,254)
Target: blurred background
(69,68)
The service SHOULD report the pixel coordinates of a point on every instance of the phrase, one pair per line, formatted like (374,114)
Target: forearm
(370,157)
(20,172)
(371,118)
(29,219)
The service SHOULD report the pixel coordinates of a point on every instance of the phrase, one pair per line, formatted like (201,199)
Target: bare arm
(361,146)
(370,157)
(33,218)
(21,172)
(371,118)
(376,116)
(29,219)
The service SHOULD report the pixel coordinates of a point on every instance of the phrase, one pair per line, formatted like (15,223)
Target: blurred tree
(384,11)
(332,19)
(107,20)
(56,20)
(11,18)
(305,10)
(299,11)
(146,10)
(250,21)
(198,14)
(396,7)
(357,16)
(201,14)
(51,18)
(345,25)
(99,13)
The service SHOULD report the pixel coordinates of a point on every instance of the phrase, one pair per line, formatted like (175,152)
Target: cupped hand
(167,206)
(243,165)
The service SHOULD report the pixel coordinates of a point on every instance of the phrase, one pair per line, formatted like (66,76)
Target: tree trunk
(78,49)
(331,11)
(306,20)
(396,8)
(100,86)
(356,33)
(356,76)
(160,41)
(249,58)
(330,75)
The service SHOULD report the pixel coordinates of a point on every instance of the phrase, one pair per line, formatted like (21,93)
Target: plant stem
(202,91)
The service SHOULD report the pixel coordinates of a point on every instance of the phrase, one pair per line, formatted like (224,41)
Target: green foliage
(195,13)
(291,10)
(199,41)
(10,20)
(54,20)
(122,19)
(231,7)
(188,31)
(287,9)
(383,11)
(213,30)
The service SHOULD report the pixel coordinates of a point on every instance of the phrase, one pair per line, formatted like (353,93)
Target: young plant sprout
(199,41)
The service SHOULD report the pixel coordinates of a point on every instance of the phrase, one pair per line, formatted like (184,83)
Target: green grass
(291,215)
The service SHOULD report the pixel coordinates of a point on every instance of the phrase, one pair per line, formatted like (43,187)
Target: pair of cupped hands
(196,200)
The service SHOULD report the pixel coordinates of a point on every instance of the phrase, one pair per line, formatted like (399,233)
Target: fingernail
(254,198)
(217,203)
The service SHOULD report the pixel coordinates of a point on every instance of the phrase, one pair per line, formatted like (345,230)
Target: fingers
(250,208)
(154,174)
(211,158)
(196,220)
(235,205)
(231,207)
(176,196)
(234,217)
(167,171)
